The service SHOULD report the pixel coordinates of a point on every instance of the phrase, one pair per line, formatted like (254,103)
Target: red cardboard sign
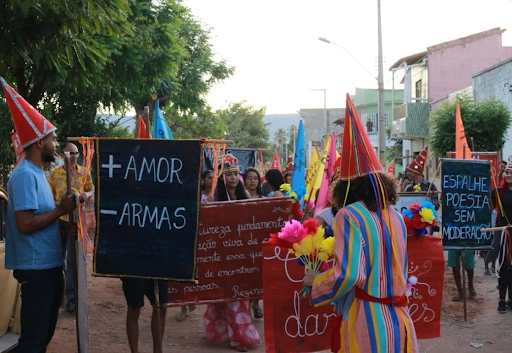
(291,324)
(426,262)
(229,258)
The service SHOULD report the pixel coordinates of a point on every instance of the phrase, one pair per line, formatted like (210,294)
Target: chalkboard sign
(147,208)
(466,205)
(229,259)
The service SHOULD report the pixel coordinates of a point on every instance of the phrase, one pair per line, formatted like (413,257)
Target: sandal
(240,348)
(487,272)
(457,298)
(472,293)
(257,313)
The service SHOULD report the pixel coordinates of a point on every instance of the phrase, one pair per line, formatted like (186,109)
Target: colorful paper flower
(418,217)
(293,232)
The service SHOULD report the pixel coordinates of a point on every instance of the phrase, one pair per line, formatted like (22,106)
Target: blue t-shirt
(28,189)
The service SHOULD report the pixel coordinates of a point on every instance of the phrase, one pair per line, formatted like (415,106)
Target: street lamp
(380,82)
(326,128)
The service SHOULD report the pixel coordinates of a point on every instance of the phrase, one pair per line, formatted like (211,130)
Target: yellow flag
(313,166)
(317,180)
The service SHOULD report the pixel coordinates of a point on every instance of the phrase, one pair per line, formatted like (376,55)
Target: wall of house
(496,82)
(452,64)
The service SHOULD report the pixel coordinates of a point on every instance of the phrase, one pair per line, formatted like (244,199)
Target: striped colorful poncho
(372,256)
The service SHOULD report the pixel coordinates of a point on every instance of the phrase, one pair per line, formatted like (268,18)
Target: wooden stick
(74,138)
(495,229)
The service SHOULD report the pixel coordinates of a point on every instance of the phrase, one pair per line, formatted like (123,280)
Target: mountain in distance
(276,121)
(281,121)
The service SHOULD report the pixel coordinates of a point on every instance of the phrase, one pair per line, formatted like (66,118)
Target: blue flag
(161,129)
(299,165)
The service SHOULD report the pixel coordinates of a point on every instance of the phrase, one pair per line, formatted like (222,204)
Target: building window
(371,125)
(418,89)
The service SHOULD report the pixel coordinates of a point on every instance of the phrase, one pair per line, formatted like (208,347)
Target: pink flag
(323,193)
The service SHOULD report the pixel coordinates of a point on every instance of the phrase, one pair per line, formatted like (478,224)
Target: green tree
(245,125)
(485,125)
(40,40)
(280,138)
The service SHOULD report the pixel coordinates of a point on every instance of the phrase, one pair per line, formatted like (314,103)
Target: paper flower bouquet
(306,241)
(418,217)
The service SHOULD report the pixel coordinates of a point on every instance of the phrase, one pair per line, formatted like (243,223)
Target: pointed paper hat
(418,164)
(275,162)
(30,125)
(289,164)
(337,169)
(358,155)
(391,167)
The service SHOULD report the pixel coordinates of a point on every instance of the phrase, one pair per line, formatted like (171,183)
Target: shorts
(134,290)
(454,259)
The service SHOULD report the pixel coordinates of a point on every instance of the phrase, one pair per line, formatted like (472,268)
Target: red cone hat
(418,164)
(358,156)
(289,164)
(30,125)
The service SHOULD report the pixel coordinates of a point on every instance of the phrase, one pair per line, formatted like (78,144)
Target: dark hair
(204,175)
(65,145)
(274,178)
(365,189)
(251,169)
(222,191)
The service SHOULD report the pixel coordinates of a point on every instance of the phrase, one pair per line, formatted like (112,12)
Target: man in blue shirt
(33,242)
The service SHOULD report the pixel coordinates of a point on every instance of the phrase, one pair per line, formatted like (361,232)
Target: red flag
(275,162)
(462,150)
(142,129)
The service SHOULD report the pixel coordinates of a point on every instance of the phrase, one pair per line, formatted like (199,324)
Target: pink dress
(230,320)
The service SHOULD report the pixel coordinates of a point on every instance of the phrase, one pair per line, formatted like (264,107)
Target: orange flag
(391,167)
(462,150)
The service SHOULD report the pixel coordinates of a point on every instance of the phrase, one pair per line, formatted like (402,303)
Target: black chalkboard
(466,204)
(147,208)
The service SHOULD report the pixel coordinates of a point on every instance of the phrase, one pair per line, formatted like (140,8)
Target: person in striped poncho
(367,282)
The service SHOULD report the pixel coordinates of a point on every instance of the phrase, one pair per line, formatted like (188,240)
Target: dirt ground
(107,323)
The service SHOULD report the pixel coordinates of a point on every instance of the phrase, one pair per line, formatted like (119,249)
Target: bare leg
(132,328)
(471,288)
(157,340)
(458,283)
(183,314)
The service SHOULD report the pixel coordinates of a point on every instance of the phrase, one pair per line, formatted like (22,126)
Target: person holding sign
(81,183)
(367,283)
(252,182)
(414,172)
(33,244)
(502,201)
(231,320)
(134,290)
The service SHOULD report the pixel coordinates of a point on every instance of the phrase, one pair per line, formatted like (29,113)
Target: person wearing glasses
(85,190)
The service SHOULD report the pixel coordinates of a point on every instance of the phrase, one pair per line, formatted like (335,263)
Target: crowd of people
(366,284)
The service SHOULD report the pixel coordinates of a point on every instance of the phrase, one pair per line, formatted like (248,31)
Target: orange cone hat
(358,156)
(30,125)
(418,164)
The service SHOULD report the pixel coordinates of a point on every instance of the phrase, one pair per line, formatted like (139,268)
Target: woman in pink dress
(231,320)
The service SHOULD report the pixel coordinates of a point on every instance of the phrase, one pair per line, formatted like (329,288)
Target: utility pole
(380,79)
